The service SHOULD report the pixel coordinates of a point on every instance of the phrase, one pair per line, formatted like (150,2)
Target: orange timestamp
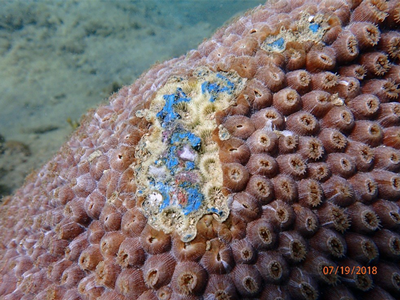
(346,270)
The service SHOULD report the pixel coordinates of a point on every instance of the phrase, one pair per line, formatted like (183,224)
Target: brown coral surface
(263,165)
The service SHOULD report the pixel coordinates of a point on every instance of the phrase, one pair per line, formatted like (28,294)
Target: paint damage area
(178,173)
(310,28)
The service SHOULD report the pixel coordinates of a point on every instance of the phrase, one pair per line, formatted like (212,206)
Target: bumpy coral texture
(310,158)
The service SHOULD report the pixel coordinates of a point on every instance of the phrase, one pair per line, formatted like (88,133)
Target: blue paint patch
(189,197)
(179,137)
(175,193)
(229,84)
(172,160)
(194,197)
(168,114)
(279,44)
(215,88)
(204,87)
(165,191)
(177,141)
(314,27)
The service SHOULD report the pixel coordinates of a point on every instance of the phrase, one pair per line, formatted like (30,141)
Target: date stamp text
(347,270)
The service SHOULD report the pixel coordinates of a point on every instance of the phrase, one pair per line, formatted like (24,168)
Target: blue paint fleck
(189,165)
(278,44)
(314,27)
(216,211)
(188,237)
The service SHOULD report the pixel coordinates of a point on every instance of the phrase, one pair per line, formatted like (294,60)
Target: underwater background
(60,58)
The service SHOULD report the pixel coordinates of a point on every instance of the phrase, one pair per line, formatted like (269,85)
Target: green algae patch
(178,172)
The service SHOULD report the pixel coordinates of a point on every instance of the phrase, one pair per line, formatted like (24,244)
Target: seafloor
(60,58)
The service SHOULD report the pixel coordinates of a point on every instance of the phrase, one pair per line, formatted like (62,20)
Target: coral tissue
(263,165)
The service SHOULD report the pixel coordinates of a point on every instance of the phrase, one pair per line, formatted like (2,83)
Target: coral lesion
(309,28)
(178,174)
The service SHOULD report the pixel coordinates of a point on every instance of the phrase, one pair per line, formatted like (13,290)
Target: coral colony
(263,165)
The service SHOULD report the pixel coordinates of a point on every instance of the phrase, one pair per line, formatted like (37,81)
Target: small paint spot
(279,44)
(314,27)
